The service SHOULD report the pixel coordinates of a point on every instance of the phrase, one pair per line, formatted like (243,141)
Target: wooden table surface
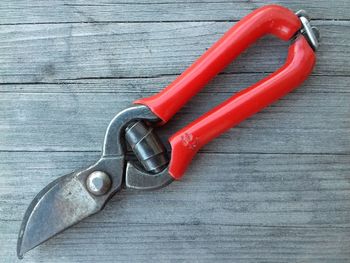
(274,189)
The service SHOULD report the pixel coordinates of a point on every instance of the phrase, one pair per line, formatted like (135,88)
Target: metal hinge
(310,32)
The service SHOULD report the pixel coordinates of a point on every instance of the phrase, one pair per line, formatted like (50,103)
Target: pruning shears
(73,197)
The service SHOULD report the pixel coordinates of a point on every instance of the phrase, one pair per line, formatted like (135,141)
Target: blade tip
(20,252)
(21,248)
(19,256)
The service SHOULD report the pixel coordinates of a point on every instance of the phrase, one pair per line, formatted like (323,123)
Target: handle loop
(271,19)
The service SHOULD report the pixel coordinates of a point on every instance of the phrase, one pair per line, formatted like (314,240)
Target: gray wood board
(305,121)
(243,208)
(60,52)
(89,11)
(274,189)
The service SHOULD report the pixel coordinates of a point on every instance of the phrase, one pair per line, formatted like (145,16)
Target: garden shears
(73,197)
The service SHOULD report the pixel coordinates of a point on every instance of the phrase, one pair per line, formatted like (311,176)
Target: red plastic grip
(270,19)
(186,142)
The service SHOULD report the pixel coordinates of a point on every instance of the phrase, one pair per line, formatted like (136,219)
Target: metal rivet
(98,183)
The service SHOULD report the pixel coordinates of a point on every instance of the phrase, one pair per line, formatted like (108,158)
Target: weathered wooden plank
(52,53)
(244,207)
(224,83)
(184,243)
(58,11)
(77,121)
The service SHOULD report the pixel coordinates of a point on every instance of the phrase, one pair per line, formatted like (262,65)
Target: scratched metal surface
(274,189)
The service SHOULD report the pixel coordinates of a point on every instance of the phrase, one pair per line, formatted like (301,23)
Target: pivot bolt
(98,183)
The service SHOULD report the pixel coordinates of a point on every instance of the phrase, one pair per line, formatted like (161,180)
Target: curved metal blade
(65,202)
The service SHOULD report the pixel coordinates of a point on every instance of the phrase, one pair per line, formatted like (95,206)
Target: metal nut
(98,183)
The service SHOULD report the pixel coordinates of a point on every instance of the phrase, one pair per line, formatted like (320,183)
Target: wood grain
(304,121)
(60,52)
(244,207)
(88,11)
(274,189)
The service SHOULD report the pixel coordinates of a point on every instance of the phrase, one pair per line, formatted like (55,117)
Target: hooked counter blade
(59,205)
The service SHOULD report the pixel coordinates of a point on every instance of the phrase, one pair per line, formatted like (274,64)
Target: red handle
(271,19)
(186,142)
(301,58)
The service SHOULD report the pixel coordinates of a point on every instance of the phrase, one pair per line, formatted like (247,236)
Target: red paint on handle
(186,142)
(271,19)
